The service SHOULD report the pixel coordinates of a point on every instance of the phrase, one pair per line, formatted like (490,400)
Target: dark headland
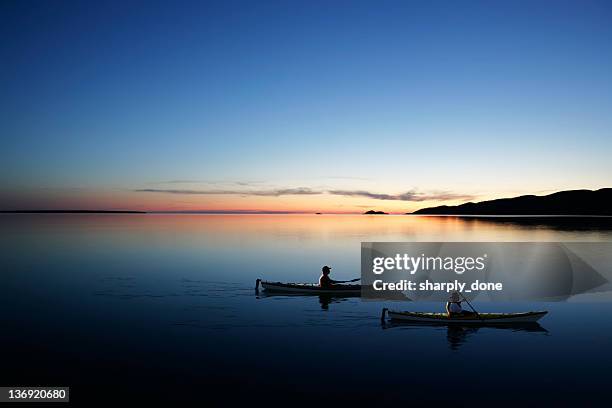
(373,212)
(572,202)
(71,212)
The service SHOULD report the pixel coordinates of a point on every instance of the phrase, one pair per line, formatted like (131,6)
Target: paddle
(468,302)
(347,281)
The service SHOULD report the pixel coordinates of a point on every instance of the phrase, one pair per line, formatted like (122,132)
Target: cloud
(180,182)
(412,195)
(263,193)
(242,183)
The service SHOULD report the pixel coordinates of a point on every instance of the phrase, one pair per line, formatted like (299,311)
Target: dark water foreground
(164,309)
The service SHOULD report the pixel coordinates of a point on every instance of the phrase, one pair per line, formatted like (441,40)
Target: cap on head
(326,269)
(454,297)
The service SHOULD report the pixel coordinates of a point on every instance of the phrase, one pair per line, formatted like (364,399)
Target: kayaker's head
(326,270)
(454,297)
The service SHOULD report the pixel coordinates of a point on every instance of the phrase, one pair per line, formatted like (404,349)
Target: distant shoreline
(562,203)
(71,212)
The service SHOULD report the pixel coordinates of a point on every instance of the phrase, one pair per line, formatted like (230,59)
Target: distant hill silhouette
(572,202)
(370,212)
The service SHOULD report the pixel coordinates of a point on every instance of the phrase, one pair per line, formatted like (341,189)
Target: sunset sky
(301,106)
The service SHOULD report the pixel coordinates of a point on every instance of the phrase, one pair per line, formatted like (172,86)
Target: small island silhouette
(373,212)
(571,202)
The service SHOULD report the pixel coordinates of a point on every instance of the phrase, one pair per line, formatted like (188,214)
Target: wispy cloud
(264,193)
(411,195)
(221,183)
(180,182)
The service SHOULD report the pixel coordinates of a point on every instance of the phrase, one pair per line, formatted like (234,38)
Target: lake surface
(159,306)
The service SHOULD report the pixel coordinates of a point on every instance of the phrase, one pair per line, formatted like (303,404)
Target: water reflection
(459,334)
(324,300)
(558,223)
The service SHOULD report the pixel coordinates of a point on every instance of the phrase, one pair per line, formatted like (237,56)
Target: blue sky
(478,99)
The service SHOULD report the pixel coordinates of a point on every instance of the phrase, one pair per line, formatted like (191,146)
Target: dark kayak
(309,288)
(481,318)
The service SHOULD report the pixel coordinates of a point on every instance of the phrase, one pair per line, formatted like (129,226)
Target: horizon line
(115,211)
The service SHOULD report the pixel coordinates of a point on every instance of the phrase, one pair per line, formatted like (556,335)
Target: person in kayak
(325,281)
(453,306)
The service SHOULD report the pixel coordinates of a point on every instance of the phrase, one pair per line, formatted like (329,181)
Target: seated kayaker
(453,306)
(325,281)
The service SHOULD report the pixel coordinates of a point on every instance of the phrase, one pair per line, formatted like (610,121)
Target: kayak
(309,288)
(481,318)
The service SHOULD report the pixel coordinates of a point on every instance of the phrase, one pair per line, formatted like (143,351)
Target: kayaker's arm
(325,280)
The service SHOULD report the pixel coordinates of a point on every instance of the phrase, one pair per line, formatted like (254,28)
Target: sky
(301,106)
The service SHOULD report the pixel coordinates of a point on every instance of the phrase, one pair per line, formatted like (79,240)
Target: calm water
(163,306)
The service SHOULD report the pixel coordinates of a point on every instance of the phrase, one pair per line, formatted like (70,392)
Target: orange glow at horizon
(115,199)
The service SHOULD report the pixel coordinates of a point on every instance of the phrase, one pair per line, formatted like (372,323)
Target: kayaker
(453,306)
(325,281)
